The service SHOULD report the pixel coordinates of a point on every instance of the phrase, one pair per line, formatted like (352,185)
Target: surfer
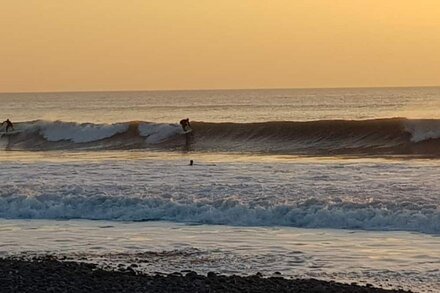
(191,163)
(185,124)
(8,125)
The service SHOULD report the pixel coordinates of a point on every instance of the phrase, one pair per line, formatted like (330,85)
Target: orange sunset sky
(59,45)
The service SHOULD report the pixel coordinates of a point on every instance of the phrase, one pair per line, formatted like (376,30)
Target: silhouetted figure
(191,162)
(8,125)
(185,124)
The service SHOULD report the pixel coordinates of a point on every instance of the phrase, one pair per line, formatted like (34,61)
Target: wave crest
(392,136)
(78,133)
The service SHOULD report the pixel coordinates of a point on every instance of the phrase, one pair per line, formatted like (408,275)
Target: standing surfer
(8,125)
(185,124)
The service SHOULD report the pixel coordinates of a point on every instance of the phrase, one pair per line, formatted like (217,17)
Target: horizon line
(215,89)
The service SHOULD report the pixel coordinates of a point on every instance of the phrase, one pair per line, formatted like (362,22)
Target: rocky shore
(49,274)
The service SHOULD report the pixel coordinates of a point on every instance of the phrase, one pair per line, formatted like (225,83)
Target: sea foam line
(312,214)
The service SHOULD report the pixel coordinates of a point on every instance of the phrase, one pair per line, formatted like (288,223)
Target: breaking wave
(391,136)
(313,213)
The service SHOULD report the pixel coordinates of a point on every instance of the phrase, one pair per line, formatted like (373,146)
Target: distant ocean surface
(364,160)
(225,105)
(379,122)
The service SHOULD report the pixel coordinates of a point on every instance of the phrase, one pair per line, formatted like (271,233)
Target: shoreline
(50,274)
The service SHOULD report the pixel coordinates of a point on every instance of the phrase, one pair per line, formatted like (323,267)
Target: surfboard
(8,133)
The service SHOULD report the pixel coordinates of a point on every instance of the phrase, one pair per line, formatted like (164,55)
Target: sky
(88,45)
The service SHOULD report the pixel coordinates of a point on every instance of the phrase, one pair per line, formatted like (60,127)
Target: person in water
(185,124)
(8,125)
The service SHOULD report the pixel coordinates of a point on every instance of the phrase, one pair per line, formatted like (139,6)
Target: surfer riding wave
(9,125)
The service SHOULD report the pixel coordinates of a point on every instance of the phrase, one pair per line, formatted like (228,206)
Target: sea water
(327,183)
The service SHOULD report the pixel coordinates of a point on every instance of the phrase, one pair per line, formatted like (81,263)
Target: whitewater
(306,182)
(350,195)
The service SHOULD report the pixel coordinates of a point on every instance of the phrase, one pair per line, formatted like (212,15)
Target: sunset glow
(59,45)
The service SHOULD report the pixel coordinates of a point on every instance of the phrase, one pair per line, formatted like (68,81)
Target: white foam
(158,132)
(222,211)
(377,197)
(78,133)
(423,129)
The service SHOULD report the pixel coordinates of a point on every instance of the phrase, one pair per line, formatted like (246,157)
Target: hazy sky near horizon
(64,45)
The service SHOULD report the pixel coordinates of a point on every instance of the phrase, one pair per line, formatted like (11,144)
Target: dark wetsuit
(185,124)
(8,125)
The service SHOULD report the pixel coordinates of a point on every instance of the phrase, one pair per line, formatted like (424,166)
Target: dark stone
(212,275)
(47,274)
(191,275)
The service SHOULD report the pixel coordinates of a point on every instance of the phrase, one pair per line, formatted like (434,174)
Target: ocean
(339,184)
